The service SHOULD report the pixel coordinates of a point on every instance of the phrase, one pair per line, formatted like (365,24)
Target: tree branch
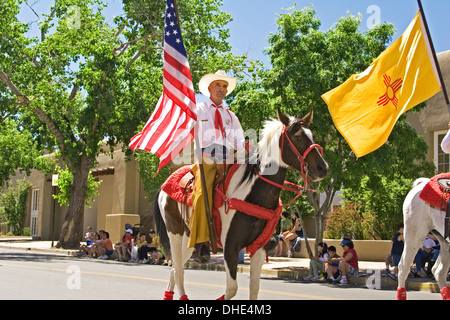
(36,110)
(74,92)
(136,56)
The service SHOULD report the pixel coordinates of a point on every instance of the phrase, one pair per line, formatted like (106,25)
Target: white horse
(285,142)
(419,219)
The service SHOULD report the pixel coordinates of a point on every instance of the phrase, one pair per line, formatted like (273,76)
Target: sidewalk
(370,273)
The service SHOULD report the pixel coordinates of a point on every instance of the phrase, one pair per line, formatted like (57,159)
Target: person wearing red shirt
(123,247)
(349,260)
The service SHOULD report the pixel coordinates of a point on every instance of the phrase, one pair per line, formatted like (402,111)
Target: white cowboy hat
(207,79)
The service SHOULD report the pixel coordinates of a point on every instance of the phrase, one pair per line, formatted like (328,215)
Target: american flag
(171,126)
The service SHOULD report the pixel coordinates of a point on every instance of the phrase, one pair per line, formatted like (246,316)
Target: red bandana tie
(218,124)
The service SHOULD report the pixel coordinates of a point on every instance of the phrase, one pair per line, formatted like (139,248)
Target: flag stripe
(182,78)
(166,158)
(176,135)
(166,128)
(179,62)
(182,91)
(171,126)
(151,131)
(173,94)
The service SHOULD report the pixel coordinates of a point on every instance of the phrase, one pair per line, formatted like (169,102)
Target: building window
(441,159)
(34,212)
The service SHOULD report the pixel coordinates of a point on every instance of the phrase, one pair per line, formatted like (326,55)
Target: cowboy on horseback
(220,134)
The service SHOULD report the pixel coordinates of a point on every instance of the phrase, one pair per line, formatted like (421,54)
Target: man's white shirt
(234,135)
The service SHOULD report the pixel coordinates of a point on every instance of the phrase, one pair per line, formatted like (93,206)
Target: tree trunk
(72,229)
(305,235)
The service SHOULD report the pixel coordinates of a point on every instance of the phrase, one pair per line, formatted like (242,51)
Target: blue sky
(254,20)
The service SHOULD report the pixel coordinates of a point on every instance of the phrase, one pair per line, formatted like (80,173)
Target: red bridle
(303,165)
(301,158)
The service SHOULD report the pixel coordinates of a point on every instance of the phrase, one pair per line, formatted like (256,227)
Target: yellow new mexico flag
(366,107)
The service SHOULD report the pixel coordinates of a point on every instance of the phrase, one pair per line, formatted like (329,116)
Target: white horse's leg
(441,268)
(180,255)
(230,262)
(416,226)
(409,252)
(256,264)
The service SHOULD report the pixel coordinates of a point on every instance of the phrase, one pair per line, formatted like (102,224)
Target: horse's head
(299,149)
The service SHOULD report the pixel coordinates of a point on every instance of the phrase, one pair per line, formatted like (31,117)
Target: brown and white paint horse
(286,142)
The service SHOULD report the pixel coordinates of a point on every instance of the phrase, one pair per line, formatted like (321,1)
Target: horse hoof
(445,292)
(168,295)
(184,297)
(221,298)
(401,293)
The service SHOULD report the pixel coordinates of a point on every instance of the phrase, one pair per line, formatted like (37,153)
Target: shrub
(348,222)
(13,204)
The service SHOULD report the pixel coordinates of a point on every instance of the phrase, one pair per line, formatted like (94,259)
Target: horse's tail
(161,226)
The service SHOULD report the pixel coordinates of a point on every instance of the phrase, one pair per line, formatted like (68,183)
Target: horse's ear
(283,118)
(309,117)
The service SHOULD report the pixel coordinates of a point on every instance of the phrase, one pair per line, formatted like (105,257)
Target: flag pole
(198,153)
(433,51)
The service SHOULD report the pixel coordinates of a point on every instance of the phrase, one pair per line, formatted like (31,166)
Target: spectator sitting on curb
(87,249)
(332,264)
(142,246)
(349,260)
(89,236)
(396,252)
(123,247)
(104,249)
(285,226)
(316,265)
(290,235)
(425,253)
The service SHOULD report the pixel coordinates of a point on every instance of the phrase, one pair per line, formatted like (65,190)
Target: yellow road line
(288,294)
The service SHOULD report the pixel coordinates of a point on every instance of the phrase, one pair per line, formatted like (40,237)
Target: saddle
(437,194)
(178,187)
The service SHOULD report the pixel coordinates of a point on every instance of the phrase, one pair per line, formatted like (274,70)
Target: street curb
(65,252)
(299,273)
(288,273)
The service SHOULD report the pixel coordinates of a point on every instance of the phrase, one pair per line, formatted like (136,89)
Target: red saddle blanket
(433,194)
(174,190)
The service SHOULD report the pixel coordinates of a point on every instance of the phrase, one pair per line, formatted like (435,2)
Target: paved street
(31,275)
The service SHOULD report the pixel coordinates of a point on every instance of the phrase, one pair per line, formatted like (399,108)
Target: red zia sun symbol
(390,92)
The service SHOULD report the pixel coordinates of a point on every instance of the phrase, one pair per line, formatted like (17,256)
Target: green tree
(381,197)
(17,150)
(307,62)
(83,84)
(13,205)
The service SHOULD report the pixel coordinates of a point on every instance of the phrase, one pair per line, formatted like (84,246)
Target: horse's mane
(268,150)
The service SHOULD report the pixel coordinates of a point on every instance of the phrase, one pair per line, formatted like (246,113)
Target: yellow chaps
(198,223)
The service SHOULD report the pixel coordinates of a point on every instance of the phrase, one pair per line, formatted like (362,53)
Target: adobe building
(121,200)
(433,121)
